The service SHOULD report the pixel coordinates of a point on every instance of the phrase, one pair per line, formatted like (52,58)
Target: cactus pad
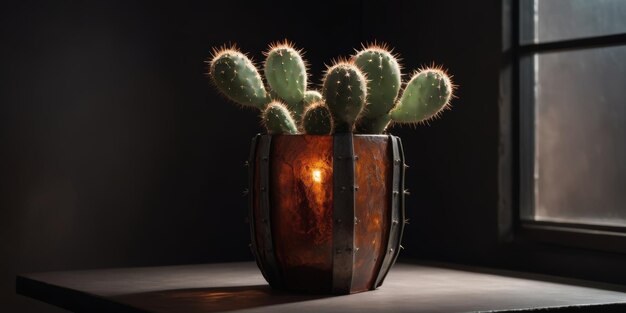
(237,78)
(285,72)
(424,97)
(384,79)
(345,92)
(311,96)
(316,119)
(278,120)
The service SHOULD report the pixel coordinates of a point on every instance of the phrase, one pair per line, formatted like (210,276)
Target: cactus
(347,97)
(237,78)
(384,80)
(344,91)
(377,125)
(310,97)
(278,120)
(316,119)
(285,72)
(424,97)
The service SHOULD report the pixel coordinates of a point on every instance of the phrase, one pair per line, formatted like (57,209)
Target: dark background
(116,151)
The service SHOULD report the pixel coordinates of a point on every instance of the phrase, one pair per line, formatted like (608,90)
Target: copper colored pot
(326,212)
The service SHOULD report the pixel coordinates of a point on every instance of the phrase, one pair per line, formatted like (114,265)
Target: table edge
(69,299)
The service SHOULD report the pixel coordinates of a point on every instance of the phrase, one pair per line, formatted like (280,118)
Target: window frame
(522,134)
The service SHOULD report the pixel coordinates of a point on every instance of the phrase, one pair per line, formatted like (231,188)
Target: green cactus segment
(376,125)
(357,95)
(237,78)
(345,91)
(278,120)
(285,73)
(384,80)
(311,96)
(425,96)
(317,120)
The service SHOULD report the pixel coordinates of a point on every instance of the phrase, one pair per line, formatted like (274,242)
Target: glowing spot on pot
(317,175)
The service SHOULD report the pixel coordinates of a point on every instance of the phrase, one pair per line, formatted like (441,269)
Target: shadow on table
(214,299)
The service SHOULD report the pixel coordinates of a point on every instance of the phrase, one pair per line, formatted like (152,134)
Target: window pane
(570,19)
(580,139)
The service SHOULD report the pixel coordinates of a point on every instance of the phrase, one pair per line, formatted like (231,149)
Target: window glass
(580,136)
(554,20)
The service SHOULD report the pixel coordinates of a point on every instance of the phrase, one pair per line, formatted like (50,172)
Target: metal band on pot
(270,265)
(343,212)
(396,217)
(403,194)
(251,163)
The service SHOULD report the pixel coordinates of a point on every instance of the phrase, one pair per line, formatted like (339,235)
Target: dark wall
(115,150)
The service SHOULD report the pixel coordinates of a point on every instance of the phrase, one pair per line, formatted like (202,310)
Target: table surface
(229,287)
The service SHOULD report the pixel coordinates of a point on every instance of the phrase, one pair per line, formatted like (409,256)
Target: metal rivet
(397,161)
(355,220)
(356,249)
(356,188)
(246,163)
(406,165)
(395,222)
(391,250)
(343,188)
(338,251)
(406,192)
(395,192)
(356,157)
(338,221)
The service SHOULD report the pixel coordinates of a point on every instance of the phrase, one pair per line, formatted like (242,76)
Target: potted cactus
(326,183)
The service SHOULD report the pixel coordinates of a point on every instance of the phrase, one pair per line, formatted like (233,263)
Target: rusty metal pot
(326,212)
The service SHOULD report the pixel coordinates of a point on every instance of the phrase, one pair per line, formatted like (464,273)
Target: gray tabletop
(229,287)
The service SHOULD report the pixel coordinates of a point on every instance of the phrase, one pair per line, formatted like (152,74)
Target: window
(571,57)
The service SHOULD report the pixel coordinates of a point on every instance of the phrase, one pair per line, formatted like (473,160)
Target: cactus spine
(384,80)
(424,97)
(285,72)
(237,78)
(344,91)
(316,119)
(278,120)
